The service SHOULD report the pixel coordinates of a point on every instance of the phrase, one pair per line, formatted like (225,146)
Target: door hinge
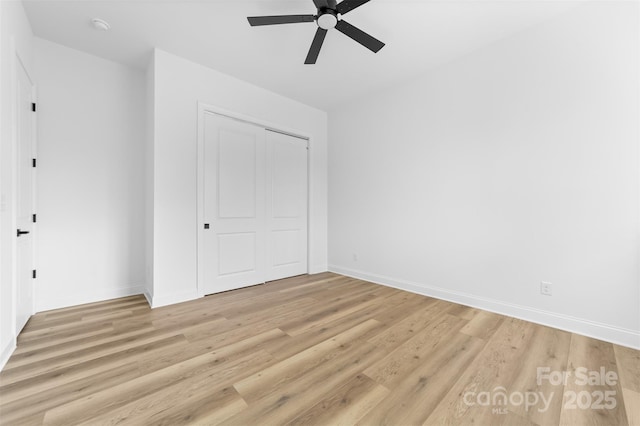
(34,218)
(34,274)
(33,107)
(33,162)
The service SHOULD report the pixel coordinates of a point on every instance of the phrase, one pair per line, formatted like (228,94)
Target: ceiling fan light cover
(327,21)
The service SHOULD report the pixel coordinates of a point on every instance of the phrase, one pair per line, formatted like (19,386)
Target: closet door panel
(234,204)
(286,205)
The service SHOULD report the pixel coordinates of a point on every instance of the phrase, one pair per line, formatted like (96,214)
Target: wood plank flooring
(310,350)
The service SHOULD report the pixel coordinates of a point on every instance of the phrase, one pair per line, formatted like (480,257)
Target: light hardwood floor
(321,349)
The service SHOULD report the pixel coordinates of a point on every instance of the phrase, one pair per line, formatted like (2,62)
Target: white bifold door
(24,199)
(254,205)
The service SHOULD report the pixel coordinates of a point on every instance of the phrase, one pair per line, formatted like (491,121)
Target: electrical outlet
(545,288)
(355,257)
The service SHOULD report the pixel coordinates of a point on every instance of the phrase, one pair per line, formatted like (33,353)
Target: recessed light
(100,25)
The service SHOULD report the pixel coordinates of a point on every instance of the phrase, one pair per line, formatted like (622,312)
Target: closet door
(234,204)
(286,205)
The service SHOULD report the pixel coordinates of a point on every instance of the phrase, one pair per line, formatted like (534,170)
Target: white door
(234,206)
(286,206)
(24,197)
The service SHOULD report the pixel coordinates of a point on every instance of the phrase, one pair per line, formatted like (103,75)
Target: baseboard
(148,296)
(80,299)
(158,301)
(7,351)
(317,269)
(596,330)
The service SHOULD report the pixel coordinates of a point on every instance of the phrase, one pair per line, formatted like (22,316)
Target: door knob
(22,232)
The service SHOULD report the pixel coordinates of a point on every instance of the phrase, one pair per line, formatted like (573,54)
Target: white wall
(179,85)
(15,31)
(513,165)
(91,169)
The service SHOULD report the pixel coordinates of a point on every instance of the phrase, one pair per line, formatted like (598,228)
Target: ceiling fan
(326,18)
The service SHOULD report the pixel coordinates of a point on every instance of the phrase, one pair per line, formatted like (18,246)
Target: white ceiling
(419,34)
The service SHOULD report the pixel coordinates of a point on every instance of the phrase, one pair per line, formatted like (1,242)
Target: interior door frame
(204,108)
(19,63)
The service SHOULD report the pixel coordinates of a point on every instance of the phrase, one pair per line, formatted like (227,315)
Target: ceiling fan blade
(347,6)
(360,36)
(281,19)
(321,3)
(314,51)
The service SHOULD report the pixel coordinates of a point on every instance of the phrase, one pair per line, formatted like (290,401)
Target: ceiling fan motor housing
(327,19)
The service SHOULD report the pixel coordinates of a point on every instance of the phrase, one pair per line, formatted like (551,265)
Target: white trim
(171,299)
(309,233)
(83,298)
(597,330)
(316,269)
(12,211)
(638,199)
(11,341)
(148,296)
(252,120)
(7,352)
(202,109)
